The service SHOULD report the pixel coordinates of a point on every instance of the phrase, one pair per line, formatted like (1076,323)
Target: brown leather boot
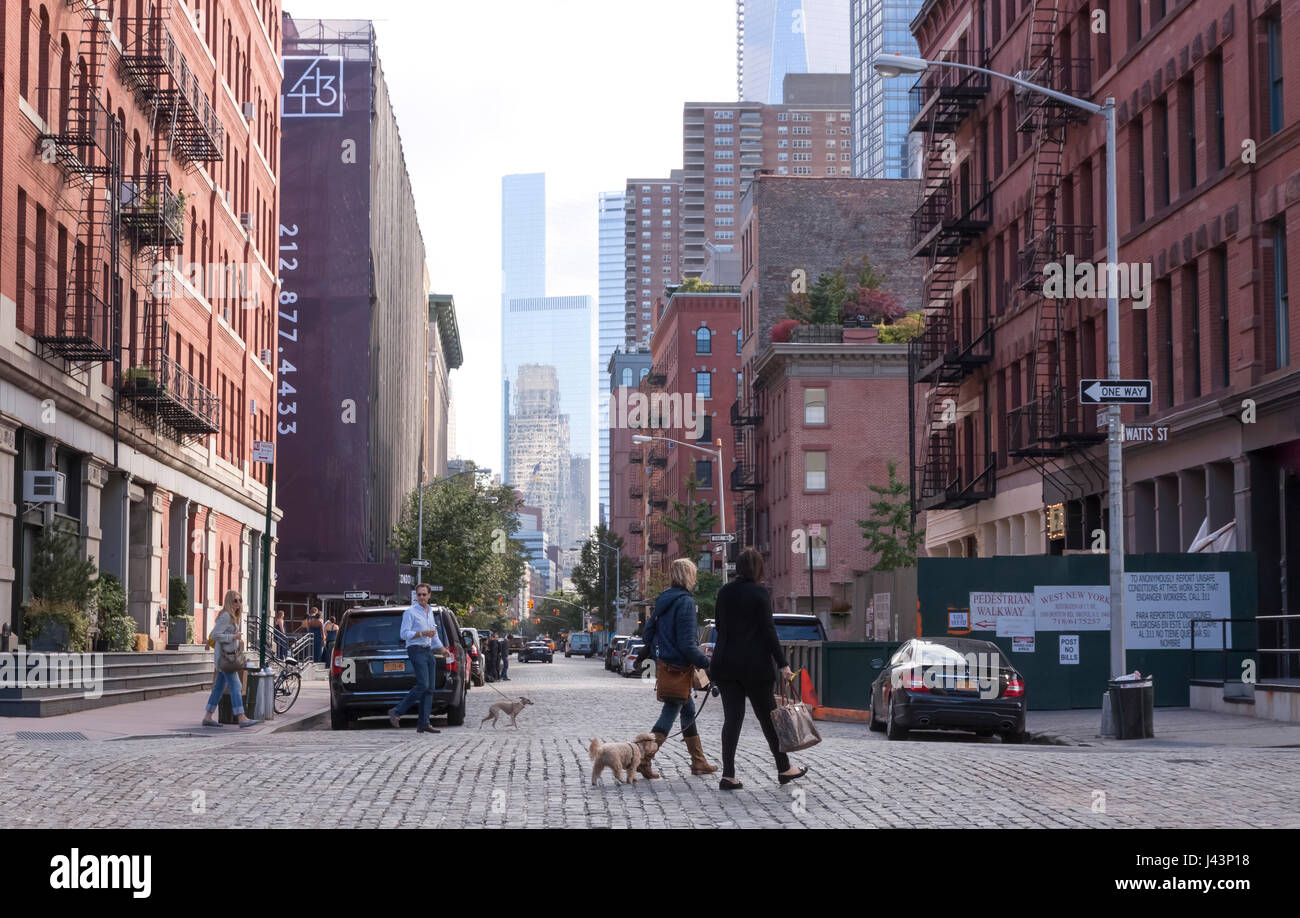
(644,768)
(699,764)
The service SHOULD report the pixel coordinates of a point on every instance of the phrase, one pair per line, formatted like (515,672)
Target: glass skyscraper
(777,37)
(523,266)
(610,328)
(882,112)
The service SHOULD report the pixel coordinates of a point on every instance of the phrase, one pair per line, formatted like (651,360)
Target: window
(706,429)
(818,545)
(723,141)
(1281,298)
(782,144)
(1220,265)
(814,471)
(723,167)
(783,157)
(704,384)
(1191,332)
(782,116)
(1219,151)
(1274,26)
(1160,142)
(724,234)
(739,338)
(1137,174)
(704,473)
(703,341)
(814,407)
(627,376)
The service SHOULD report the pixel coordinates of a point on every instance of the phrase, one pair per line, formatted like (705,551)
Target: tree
(594,574)
(468,537)
(691,522)
(560,616)
(59,573)
(824,303)
(889,533)
(905,329)
(694,285)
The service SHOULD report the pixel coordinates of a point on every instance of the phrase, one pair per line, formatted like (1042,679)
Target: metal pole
(812,596)
(722,506)
(266,564)
(1118,663)
(419,532)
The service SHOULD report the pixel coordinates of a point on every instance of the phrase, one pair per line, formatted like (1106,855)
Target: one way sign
(1115,391)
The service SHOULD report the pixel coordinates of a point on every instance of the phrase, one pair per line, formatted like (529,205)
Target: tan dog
(511,708)
(620,758)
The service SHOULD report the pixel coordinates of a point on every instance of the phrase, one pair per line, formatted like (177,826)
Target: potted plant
(138,379)
(116,627)
(181,624)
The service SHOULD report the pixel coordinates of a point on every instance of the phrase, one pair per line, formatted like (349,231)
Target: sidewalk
(174,715)
(1174,728)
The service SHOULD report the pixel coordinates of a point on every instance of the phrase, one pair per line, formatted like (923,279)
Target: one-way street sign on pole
(1115,391)
(722,537)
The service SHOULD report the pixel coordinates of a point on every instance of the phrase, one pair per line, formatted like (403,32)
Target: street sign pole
(266,565)
(1115,535)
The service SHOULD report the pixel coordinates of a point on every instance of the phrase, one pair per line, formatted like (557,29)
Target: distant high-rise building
(652,242)
(779,37)
(523,263)
(882,113)
(555,331)
(724,143)
(538,446)
(610,333)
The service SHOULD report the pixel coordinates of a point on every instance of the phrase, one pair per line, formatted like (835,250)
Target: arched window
(645,371)
(704,341)
(627,376)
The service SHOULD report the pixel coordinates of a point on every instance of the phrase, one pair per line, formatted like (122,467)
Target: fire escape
(954,210)
(184,125)
(86,141)
(1050,428)
(744,479)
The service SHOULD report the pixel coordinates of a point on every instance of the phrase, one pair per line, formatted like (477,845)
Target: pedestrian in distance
(331,635)
(423,647)
(746,658)
(490,651)
(670,636)
(281,636)
(227,637)
(505,658)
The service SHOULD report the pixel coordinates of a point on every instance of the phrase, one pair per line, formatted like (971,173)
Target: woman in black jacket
(745,659)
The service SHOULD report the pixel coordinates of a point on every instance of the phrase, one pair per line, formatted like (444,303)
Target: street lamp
(722,486)
(892,65)
(618,582)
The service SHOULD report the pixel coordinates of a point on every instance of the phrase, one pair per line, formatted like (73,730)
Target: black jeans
(759,695)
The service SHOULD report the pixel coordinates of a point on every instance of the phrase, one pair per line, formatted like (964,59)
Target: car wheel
(1015,737)
(892,730)
(339,720)
(456,715)
(872,723)
(984,734)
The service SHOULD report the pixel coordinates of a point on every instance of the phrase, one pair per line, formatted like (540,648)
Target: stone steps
(126,677)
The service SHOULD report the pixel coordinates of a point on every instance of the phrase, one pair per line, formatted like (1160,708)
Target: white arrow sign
(1115,391)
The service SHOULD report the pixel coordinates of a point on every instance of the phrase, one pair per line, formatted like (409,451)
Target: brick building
(725,143)
(696,355)
(139,164)
(820,416)
(626,370)
(652,245)
(1203,205)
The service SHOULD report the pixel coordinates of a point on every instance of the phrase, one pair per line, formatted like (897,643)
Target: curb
(842,715)
(304,722)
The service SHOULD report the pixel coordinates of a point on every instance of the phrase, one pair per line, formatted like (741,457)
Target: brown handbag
(673,683)
(793,721)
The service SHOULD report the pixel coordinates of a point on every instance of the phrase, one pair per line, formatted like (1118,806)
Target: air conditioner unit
(44,487)
(266,356)
(250,111)
(246,221)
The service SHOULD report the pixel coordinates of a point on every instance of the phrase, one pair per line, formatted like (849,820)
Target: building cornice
(882,361)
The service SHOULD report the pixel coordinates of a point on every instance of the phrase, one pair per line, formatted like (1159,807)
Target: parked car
(580,643)
(708,636)
(515,642)
(537,650)
(370,672)
(791,627)
(476,655)
(627,659)
(611,653)
(935,684)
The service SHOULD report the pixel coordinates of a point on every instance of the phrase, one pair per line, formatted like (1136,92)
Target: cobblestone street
(539,775)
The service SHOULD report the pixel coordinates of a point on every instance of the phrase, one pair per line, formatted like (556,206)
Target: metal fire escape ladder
(84,140)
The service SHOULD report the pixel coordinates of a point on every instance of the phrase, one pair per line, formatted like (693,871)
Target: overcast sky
(588,91)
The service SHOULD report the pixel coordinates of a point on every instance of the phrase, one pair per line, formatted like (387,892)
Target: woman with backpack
(227,643)
(670,636)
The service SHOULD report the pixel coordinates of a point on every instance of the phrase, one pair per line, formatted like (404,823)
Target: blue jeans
(505,665)
(425,665)
(669,713)
(218,689)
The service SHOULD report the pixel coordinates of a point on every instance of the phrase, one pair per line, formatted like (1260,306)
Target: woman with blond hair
(226,635)
(670,636)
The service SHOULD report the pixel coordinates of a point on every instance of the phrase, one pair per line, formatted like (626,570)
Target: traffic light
(530,605)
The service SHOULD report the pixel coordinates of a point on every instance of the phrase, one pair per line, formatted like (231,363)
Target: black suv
(370,672)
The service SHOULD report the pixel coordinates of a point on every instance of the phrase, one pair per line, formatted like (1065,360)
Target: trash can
(1132,705)
(226,711)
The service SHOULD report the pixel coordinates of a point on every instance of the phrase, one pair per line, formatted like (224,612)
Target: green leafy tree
(469,531)
(691,522)
(59,573)
(889,532)
(824,301)
(905,329)
(594,574)
(559,616)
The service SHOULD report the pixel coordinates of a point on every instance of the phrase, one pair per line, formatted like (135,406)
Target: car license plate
(397,667)
(966,685)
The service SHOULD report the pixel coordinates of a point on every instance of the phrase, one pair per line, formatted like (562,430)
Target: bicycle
(288,682)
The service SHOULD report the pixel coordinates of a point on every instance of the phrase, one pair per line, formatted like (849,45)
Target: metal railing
(155,67)
(1223,649)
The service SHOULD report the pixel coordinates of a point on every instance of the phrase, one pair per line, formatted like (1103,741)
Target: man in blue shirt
(423,647)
